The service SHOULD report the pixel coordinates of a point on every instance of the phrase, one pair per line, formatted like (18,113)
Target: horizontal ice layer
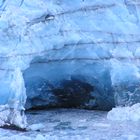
(71,53)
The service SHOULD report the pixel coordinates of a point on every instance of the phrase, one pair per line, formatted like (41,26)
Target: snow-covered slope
(77,53)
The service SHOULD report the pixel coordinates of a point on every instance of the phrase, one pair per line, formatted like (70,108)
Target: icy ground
(73,124)
(48,47)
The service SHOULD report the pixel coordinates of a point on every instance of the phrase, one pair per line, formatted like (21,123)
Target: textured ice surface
(13,111)
(125,113)
(80,53)
(72,124)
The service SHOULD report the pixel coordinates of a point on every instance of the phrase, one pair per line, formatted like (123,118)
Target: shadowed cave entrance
(61,85)
(69,94)
(73,93)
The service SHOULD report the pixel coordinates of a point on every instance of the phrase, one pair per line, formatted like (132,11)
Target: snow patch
(36,127)
(125,113)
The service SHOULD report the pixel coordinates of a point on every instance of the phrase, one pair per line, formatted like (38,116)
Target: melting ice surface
(78,53)
(65,124)
(13,111)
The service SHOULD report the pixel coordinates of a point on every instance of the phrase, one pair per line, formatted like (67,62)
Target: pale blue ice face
(94,42)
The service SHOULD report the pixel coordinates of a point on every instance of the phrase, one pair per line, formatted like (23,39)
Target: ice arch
(68,83)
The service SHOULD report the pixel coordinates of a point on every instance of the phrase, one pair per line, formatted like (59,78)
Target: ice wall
(78,53)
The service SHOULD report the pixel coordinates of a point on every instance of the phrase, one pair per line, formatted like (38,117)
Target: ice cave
(73,58)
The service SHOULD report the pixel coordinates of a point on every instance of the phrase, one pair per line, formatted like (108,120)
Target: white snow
(131,113)
(36,127)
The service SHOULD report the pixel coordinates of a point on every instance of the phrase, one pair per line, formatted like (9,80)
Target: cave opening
(71,93)
(53,84)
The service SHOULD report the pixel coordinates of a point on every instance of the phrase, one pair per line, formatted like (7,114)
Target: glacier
(58,53)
